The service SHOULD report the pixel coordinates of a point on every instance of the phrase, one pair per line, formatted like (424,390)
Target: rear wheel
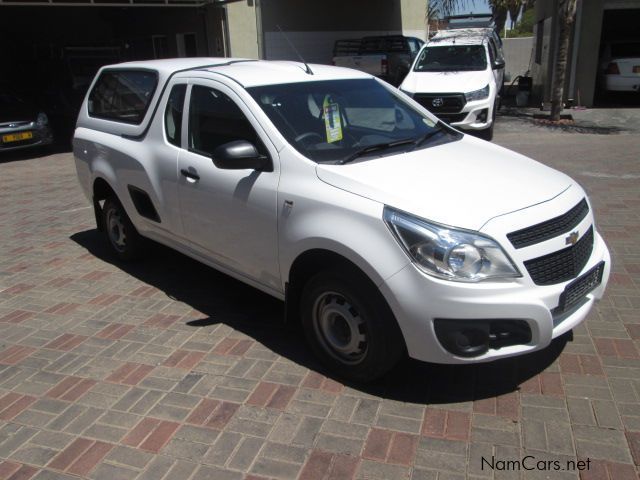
(349,325)
(122,236)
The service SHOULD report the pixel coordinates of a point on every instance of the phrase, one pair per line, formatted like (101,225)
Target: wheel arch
(101,190)
(310,262)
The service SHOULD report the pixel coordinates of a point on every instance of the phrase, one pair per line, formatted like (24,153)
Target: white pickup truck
(388,57)
(385,231)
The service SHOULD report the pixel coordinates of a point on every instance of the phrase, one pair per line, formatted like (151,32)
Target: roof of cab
(247,72)
(462,36)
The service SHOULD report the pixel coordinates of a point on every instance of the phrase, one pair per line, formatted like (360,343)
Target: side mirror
(498,64)
(240,155)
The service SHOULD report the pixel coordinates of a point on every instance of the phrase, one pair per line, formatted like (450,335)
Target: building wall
(242,29)
(518,55)
(414,18)
(587,38)
(315,28)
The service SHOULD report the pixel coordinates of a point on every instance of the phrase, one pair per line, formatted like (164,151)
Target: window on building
(160,46)
(187,44)
(122,95)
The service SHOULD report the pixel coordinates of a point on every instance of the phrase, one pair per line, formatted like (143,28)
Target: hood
(462,184)
(445,82)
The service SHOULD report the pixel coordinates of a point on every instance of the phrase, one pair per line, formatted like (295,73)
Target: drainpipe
(259,30)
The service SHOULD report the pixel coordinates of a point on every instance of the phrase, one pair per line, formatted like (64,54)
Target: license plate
(636,69)
(581,286)
(16,137)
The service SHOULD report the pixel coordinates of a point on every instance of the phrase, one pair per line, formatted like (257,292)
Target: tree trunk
(499,17)
(566,12)
(514,10)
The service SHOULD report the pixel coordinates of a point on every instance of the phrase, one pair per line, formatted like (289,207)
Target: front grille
(444,102)
(550,228)
(563,265)
(452,117)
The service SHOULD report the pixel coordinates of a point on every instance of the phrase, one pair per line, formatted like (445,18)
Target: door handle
(189,174)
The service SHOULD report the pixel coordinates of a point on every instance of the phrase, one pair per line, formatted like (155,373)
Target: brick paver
(168,369)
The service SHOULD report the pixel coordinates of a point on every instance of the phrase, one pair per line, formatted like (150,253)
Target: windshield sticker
(332,123)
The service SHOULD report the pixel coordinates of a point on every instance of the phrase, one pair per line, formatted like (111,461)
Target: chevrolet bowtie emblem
(571,239)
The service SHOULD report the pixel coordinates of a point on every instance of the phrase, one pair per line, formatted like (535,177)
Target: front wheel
(486,134)
(349,326)
(122,236)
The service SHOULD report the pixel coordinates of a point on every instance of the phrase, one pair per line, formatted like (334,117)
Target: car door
(165,155)
(230,216)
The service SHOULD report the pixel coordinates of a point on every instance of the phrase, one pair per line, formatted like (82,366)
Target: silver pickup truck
(388,57)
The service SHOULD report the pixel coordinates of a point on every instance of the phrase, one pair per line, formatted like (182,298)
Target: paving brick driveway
(168,369)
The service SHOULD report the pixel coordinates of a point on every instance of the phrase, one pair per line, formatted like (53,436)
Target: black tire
(487,134)
(343,307)
(122,237)
(400,75)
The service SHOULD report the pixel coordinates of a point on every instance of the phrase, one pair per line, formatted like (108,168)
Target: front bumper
(418,299)
(476,115)
(622,83)
(42,136)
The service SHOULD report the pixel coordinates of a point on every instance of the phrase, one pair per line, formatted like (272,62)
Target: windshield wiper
(376,147)
(425,137)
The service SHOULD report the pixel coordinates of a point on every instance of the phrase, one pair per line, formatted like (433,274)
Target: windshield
(341,120)
(452,58)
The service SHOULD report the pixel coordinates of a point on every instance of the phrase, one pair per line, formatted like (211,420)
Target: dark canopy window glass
(362,115)
(452,58)
(122,95)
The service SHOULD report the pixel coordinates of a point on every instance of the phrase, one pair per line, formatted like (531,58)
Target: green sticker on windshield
(332,123)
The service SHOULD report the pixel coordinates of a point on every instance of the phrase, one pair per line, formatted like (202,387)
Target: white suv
(458,76)
(384,230)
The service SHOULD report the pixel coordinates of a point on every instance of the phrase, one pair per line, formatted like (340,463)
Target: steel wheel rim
(340,328)
(116,231)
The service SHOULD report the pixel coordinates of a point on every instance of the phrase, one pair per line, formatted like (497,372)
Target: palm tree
(566,17)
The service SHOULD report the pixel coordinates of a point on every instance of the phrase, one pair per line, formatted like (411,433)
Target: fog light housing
(472,338)
(482,116)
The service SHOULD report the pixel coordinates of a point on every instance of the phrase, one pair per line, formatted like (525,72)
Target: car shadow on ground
(222,299)
(33,152)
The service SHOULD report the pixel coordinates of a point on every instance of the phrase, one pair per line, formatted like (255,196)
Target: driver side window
(215,119)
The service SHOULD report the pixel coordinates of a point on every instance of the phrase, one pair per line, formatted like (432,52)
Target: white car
(385,231)
(622,67)
(458,76)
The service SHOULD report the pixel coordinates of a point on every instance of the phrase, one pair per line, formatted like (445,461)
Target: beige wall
(413,18)
(313,26)
(243,34)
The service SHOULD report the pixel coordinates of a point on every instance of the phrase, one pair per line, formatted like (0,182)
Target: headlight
(448,253)
(42,119)
(477,94)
